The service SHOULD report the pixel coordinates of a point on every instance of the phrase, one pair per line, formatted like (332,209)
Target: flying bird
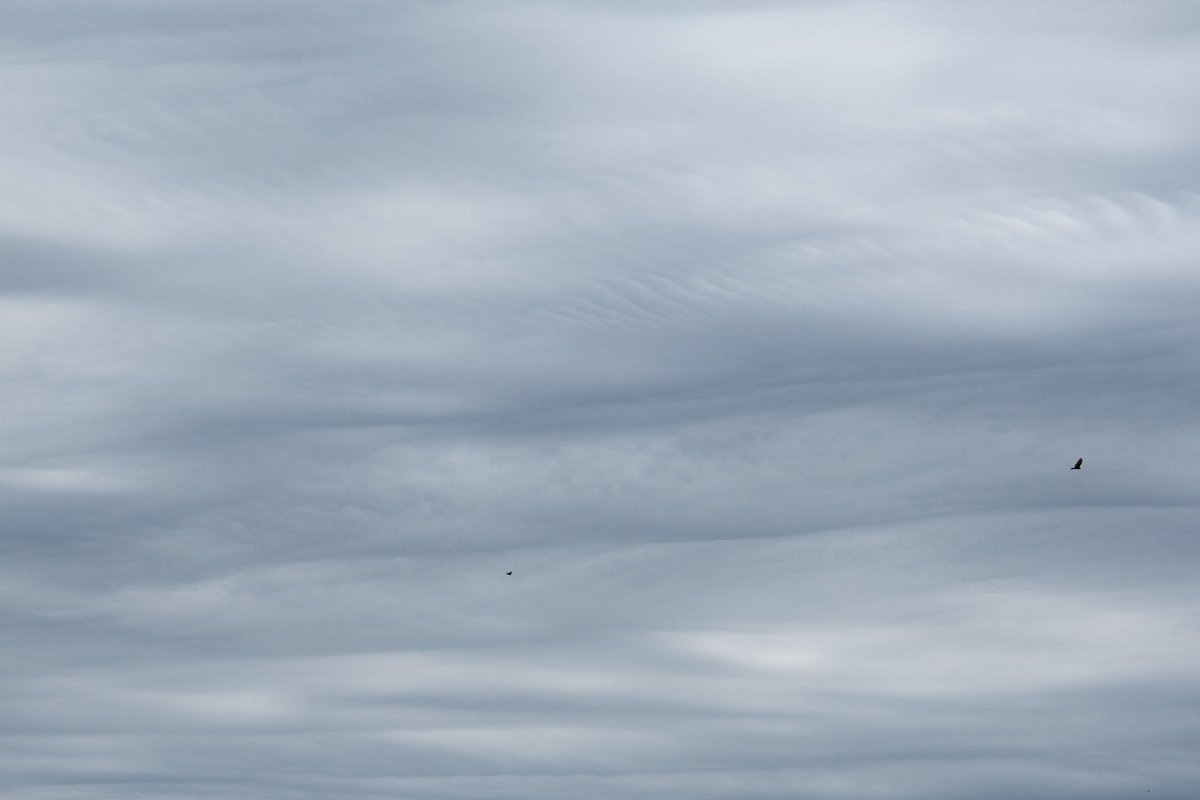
(1078,464)
(509,572)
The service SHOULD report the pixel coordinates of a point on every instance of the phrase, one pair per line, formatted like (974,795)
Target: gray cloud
(755,339)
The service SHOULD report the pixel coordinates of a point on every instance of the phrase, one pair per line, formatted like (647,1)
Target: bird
(509,572)
(1078,464)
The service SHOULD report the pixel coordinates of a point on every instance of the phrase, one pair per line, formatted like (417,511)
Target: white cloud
(755,339)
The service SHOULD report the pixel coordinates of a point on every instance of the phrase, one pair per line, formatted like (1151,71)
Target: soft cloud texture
(756,339)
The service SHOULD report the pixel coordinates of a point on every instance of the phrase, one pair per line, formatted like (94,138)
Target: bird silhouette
(1078,464)
(509,572)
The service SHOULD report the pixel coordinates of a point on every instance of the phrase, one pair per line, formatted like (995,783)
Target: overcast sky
(755,338)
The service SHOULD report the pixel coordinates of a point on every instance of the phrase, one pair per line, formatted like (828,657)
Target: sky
(756,339)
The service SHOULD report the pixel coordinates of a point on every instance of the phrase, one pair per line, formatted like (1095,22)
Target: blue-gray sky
(755,338)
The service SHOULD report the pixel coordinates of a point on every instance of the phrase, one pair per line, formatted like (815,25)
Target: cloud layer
(756,339)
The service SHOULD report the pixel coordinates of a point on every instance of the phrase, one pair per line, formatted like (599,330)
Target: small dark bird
(509,572)
(1078,464)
